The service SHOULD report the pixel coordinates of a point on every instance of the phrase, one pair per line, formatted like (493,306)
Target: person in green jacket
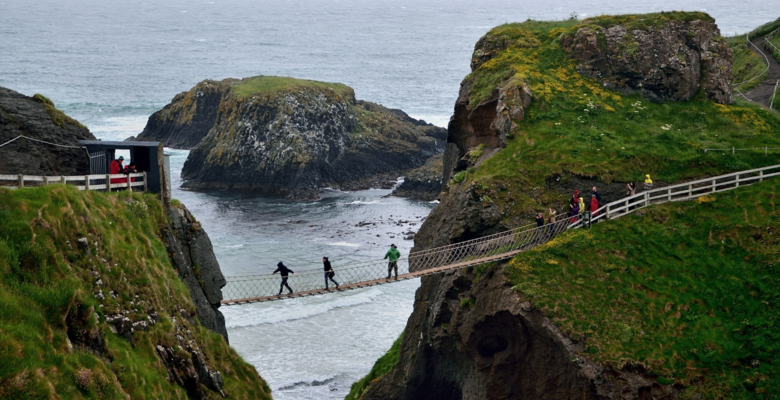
(393,254)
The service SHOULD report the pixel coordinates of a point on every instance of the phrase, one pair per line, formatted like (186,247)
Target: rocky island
(288,137)
(636,308)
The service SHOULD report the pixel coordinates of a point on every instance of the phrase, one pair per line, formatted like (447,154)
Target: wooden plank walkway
(375,282)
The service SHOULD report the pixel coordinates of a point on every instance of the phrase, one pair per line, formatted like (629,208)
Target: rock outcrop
(37,118)
(422,183)
(191,253)
(287,137)
(671,61)
(472,337)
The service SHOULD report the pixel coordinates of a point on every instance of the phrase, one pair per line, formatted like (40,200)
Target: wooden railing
(82,182)
(684,191)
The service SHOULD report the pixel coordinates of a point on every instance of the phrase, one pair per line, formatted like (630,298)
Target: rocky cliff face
(472,337)
(287,137)
(672,61)
(187,119)
(423,183)
(191,253)
(37,118)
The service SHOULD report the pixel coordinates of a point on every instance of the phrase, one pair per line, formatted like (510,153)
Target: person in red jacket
(117,168)
(594,205)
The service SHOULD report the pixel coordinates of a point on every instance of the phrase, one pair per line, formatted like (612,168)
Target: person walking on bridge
(284,272)
(393,254)
(329,274)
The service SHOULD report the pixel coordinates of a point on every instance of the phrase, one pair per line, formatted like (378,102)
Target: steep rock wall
(187,119)
(472,337)
(36,117)
(422,183)
(671,62)
(192,254)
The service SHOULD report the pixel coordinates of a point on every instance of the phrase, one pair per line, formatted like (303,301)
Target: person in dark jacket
(597,194)
(539,225)
(284,271)
(328,273)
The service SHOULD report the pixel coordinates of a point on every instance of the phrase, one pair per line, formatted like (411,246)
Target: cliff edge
(103,297)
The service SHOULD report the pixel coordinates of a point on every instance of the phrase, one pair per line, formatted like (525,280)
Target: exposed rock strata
(288,141)
(423,183)
(672,62)
(36,117)
(191,253)
(470,339)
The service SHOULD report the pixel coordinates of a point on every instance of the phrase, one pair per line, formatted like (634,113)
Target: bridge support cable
(496,247)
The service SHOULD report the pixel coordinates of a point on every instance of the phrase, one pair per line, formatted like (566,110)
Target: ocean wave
(345,244)
(364,202)
(290,310)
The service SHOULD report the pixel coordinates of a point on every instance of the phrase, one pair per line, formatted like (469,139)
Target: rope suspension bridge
(497,247)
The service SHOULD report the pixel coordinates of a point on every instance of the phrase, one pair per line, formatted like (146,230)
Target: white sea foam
(295,309)
(364,202)
(346,244)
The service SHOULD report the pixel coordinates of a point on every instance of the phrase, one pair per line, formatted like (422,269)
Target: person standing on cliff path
(393,255)
(284,271)
(329,274)
(648,183)
(597,194)
(551,220)
(539,225)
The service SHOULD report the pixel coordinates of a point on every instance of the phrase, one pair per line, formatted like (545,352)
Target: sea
(111,64)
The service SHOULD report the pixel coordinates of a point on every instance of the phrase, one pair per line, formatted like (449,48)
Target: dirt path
(762,93)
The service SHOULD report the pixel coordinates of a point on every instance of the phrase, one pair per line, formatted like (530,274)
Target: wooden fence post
(45,180)
(108,182)
(761,176)
(737,185)
(86,182)
(62,179)
(21,181)
(129,183)
(146,189)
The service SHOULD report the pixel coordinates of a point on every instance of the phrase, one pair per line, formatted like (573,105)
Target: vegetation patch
(69,260)
(577,127)
(271,85)
(689,292)
(57,117)
(381,367)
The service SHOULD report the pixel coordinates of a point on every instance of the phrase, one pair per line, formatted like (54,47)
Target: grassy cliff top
(577,127)
(687,291)
(269,85)
(49,306)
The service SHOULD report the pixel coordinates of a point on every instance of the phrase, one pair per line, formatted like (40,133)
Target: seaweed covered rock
(664,59)
(287,137)
(37,118)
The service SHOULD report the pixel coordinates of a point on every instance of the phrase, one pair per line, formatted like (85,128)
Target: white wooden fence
(684,191)
(82,182)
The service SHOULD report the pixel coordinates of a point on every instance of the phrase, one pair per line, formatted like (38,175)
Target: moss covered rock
(288,137)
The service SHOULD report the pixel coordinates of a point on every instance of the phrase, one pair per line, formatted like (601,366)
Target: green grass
(765,29)
(576,127)
(271,85)
(776,41)
(645,21)
(47,291)
(748,68)
(382,366)
(688,291)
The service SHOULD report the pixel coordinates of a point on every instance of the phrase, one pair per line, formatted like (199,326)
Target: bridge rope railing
(499,246)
